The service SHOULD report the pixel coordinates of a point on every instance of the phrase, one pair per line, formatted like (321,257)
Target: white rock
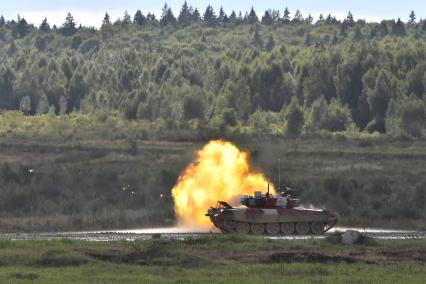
(350,237)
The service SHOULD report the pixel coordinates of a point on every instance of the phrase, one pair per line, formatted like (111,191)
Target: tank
(278,214)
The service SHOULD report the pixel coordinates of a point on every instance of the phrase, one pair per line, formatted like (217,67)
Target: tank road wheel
(302,228)
(287,228)
(273,228)
(257,228)
(317,228)
(229,226)
(243,228)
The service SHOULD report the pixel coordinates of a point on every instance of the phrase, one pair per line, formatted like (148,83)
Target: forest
(206,72)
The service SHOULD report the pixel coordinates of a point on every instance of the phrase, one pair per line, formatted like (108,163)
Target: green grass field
(212,259)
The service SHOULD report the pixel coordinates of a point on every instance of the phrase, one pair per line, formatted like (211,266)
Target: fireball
(220,171)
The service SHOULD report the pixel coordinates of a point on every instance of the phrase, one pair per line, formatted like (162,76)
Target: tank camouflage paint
(260,219)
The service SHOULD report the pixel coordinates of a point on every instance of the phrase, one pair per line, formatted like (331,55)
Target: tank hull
(274,221)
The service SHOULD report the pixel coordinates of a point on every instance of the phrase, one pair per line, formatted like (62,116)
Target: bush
(61,259)
(294,118)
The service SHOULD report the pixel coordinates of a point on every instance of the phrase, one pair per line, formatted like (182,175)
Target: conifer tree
(209,16)
(222,18)
(298,17)
(309,19)
(106,21)
(139,18)
(267,18)
(167,16)
(233,17)
(252,17)
(349,19)
(196,16)
(69,27)
(320,20)
(185,15)
(44,26)
(127,20)
(22,28)
(412,18)
(398,28)
(286,16)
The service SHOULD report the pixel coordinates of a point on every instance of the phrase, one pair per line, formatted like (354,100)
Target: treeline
(279,73)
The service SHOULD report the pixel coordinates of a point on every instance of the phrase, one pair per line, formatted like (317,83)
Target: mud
(305,257)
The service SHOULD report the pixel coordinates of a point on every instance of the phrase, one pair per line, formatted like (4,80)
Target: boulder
(351,237)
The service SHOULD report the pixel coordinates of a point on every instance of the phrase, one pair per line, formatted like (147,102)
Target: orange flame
(220,171)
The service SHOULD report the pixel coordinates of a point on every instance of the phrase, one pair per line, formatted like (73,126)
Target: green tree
(185,16)
(127,20)
(196,16)
(77,90)
(222,17)
(320,20)
(332,117)
(294,117)
(398,28)
(44,26)
(415,80)
(167,16)
(22,28)
(286,16)
(193,107)
(63,105)
(252,17)
(139,18)
(349,21)
(406,116)
(233,17)
(69,27)
(412,18)
(209,16)
(106,21)
(267,18)
(309,19)
(378,99)
(298,18)
(318,114)
(43,105)
(338,117)
(7,78)
(25,105)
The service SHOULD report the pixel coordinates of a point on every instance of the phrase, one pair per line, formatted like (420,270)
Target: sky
(91,12)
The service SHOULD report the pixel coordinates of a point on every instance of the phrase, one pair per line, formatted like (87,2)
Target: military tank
(271,214)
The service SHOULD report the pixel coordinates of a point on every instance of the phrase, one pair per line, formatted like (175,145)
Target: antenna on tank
(279,175)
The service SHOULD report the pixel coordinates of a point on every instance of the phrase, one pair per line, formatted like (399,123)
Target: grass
(212,259)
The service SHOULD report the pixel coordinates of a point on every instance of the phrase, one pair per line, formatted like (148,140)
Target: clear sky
(90,12)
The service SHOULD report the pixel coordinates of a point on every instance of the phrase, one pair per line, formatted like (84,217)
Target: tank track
(297,228)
